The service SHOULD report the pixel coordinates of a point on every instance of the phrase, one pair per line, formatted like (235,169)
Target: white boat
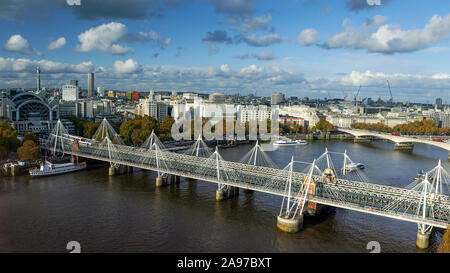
(289,142)
(354,166)
(48,168)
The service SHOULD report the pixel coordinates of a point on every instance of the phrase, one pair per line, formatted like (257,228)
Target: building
(439,103)
(38,79)
(276,98)
(74,82)
(217,98)
(101,91)
(252,113)
(28,112)
(152,108)
(91,85)
(70,92)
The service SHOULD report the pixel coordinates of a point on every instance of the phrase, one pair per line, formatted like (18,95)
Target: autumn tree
(323,126)
(445,245)
(31,136)
(165,127)
(8,139)
(136,131)
(90,128)
(29,150)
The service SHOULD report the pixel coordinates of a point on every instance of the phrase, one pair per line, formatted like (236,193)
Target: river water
(127,213)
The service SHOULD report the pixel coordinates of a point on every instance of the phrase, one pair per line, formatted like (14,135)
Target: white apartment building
(70,92)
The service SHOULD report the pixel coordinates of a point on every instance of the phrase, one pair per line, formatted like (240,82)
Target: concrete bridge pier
(161,181)
(118,170)
(404,146)
(289,224)
(423,240)
(226,193)
(362,140)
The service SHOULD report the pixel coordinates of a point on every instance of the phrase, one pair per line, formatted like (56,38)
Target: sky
(313,48)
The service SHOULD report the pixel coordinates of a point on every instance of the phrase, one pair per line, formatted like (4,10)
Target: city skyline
(311,48)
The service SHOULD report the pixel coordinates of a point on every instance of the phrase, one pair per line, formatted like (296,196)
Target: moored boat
(48,168)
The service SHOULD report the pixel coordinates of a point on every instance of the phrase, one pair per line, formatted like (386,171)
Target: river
(127,213)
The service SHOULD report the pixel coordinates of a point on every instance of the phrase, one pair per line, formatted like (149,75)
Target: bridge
(305,187)
(401,142)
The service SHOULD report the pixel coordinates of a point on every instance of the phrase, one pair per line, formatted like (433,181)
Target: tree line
(422,127)
(28,148)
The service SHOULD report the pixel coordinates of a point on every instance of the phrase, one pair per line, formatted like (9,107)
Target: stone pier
(362,140)
(118,170)
(289,224)
(228,193)
(161,181)
(404,146)
(423,240)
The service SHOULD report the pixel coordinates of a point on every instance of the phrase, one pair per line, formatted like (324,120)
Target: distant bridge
(402,142)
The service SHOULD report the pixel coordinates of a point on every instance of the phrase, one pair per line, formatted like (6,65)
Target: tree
(31,136)
(136,131)
(90,128)
(445,245)
(8,139)
(165,127)
(79,125)
(323,126)
(29,150)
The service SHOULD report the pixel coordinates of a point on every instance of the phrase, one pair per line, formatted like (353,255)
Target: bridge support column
(404,146)
(161,181)
(226,193)
(423,240)
(290,225)
(121,169)
(362,140)
(177,179)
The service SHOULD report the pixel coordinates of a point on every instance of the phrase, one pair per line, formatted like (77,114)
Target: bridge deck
(354,195)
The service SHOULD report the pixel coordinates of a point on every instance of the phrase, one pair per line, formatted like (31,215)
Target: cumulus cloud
(255,23)
(27,65)
(16,43)
(218,36)
(389,39)
(105,38)
(262,41)
(129,66)
(58,43)
(358,5)
(262,56)
(307,37)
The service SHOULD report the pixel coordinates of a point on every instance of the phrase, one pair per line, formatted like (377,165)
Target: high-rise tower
(90,85)
(38,79)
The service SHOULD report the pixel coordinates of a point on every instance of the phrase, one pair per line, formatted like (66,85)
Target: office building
(91,85)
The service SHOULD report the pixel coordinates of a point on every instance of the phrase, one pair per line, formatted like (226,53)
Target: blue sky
(299,47)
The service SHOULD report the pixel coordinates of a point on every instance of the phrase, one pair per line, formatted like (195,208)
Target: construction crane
(356,96)
(391,101)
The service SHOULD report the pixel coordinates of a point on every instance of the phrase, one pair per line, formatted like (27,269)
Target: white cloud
(58,43)
(307,37)
(389,39)
(262,41)
(129,66)
(105,38)
(255,23)
(26,65)
(16,43)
